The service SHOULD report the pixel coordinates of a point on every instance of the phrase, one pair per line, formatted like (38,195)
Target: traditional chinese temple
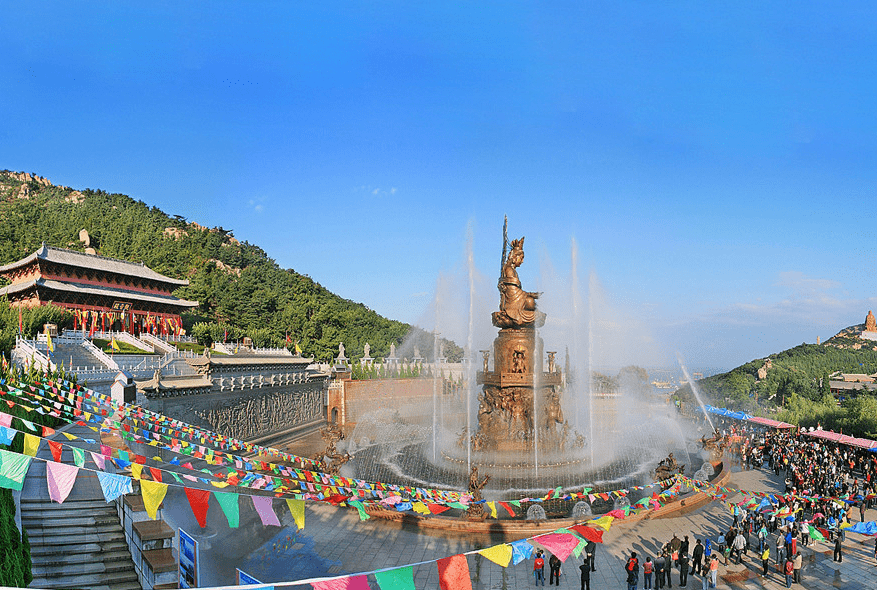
(102,293)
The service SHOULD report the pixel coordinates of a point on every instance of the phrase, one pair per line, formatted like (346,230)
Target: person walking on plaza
(798,562)
(789,570)
(683,569)
(668,568)
(697,556)
(765,560)
(838,550)
(659,571)
(554,570)
(539,568)
(591,549)
(586,574)
(714,571)
(632,569)
(781,549)
(648,566)
(739,545)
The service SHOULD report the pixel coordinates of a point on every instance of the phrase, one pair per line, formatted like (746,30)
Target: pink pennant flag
(99,460)
(106,451)
(351,583)
(5,420)
(560,544)
(265,510)
(60,478)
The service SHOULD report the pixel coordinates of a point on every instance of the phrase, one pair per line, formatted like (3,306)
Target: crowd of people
(826,484)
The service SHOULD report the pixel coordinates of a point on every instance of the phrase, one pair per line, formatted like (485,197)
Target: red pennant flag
(48,431)
(591,534)
(156,474)
(508,508)
(437,508)
(56,450)
(198,501)
(140,459)
(454,573)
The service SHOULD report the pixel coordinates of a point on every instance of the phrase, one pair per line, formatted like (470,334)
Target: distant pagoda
(106,293)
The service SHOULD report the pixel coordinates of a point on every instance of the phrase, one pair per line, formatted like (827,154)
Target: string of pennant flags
(309,481)
(83,407)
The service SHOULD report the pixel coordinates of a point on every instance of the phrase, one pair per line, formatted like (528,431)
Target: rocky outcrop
(224,267)
(28,177)
(175,233)
(75,197)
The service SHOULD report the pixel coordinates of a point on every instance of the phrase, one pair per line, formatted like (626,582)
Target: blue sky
(715,164)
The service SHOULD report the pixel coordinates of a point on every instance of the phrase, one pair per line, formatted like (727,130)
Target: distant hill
(766,382)
(793,385)
(238,286)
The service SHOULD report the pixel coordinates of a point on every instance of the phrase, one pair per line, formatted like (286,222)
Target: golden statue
(517,307)
(870,323)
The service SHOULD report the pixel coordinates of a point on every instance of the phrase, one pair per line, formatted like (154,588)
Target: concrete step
(46,551)
(80,555)
(34,523)
(82,568)
(43,505)
(76,580)
(74,536)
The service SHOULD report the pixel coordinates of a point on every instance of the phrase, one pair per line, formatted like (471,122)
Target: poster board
(188,561)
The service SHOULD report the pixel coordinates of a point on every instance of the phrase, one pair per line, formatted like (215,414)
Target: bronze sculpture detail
(519,405)
(517,308)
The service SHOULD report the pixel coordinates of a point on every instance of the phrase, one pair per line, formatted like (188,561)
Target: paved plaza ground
(334,541)
(337,542)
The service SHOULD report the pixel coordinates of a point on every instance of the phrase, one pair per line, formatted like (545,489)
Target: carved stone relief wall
(249,414)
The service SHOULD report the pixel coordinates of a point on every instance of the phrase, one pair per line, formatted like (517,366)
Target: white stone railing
(223,348)
(100,355)
(129,338)
(157,343)
(272,351)
(26,352)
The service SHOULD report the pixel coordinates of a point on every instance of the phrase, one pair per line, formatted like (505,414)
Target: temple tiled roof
(114,292)
(102,263)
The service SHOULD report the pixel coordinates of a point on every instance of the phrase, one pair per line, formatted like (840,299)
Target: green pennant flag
(13,468)
(458,506)
(397,579)
(815,534)
(363,515)
(229,505)
(78,456)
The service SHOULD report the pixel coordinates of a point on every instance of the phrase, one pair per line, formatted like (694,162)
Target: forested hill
(793,385)
(238,286)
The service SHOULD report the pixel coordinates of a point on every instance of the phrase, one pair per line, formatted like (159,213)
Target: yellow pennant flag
(498,554)
(492,506)
(604,522)
(220,484)
(136,469)
(297,509)
(70,436)
(31,444)
(153,493)
(420,508)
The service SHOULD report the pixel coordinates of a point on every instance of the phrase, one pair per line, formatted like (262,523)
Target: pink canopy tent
(862,443)
(769,422)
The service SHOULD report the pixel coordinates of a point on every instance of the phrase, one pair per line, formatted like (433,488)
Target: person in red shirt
(539,568)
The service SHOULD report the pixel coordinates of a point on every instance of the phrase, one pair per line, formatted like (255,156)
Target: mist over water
(626,431)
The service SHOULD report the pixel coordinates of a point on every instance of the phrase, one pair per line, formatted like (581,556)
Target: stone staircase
(75,355)
(77,544)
